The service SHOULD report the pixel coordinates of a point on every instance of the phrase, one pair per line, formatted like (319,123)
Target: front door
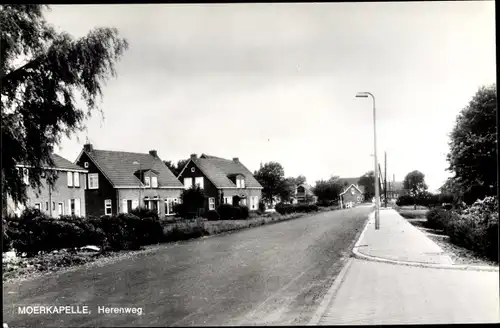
(60,209)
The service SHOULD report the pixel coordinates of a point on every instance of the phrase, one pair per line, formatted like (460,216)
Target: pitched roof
(351,181)
(119,168)
(62,163)
(218,169)
(349,187)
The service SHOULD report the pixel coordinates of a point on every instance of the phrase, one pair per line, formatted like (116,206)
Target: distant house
(67,197)
(395,189)
(223,181)
(346,182)
(351,195)
(303,194)
(121,181)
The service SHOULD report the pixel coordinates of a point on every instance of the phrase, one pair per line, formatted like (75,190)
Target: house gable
(350,188)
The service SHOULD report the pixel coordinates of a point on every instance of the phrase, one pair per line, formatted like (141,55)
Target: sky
(277,82)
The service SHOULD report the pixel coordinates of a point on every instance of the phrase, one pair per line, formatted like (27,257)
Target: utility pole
(385,178)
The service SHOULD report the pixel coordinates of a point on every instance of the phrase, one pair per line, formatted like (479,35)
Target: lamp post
(140,177)
(377,191)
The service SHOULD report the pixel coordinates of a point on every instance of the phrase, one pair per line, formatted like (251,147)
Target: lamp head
(361,95)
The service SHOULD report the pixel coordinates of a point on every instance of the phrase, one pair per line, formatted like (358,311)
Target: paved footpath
(418,284)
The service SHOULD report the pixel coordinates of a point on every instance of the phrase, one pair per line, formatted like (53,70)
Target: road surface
(274,274)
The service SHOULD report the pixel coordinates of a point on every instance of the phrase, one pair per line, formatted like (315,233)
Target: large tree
(271,176)
(473,147)
(43,72)
(367,180)
(176,168)
(414,182)
(328,190)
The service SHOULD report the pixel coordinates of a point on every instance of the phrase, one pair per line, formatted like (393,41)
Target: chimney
(88,148)
(153,153)
(236,159)
(194,156)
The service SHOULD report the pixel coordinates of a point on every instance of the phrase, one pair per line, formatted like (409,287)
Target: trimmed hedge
(233,212)
(282,208)
(212,215)
(35,231)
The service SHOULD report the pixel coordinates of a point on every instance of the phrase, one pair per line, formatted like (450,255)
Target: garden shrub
(296,208)
(6,241)
(437,218)
(244,212)
(262,207)
(144,212)
(185,232)
(476,228)
(212,215)
(180,210)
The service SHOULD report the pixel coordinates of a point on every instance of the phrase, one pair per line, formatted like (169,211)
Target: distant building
(351,195)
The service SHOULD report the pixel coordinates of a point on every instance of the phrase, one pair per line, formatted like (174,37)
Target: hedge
(282,208)
(475,228)
(233,212)
(34,231)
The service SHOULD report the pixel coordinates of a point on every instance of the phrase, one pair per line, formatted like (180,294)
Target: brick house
(121,181)
(66,197)
(223,181)
(351,195)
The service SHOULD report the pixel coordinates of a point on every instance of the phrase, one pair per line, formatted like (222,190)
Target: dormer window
(147,182)
(154,182)
(240,182)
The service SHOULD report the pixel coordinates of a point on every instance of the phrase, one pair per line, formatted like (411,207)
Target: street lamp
(140,177)
(377,191)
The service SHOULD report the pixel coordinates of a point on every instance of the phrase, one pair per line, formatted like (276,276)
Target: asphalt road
(274,274)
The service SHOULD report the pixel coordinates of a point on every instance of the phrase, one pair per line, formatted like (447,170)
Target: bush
(6,241)
(476,228)
(185,231)
(262,207)
(244,213)
(212,215)
(326,203)
(180,210)
(405,200)
(296,208)
(437,218)
(143,212)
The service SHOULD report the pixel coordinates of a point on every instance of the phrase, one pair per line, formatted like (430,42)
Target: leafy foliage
(193,199)
(367,180)
(144,212)
(39,95)
(176,169)
(473,148)
(212,215)
(282,208)
(271,176)
(415,183)
(262,206)
(327,190)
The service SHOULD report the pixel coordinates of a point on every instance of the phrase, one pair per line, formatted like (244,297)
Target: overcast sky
(276,82)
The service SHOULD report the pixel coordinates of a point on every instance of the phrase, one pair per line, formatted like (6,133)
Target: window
(192,169)
(53,206)
(238,183)
(46,206)
(147,181)
(199,182)
(169,206)
(154,182)
(76,178)
(228,200)
(124,206)
(254,201)
(93,181)
(107,207)
(72,206)
(70,179)
(37,206)
(60,209)
(243,202)
(188,182)
(242,183)
(26,176)
(211,203)
(135,203)
(86,165)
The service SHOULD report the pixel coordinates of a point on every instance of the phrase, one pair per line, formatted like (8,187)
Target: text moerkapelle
(53,309)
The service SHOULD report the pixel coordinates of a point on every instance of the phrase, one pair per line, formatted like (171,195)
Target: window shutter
(68,212)
(124,204)
(76,176)
(135,203)
(70,179)
(77,206)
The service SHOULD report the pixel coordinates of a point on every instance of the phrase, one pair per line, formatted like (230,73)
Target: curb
(330,294)
(357,254)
